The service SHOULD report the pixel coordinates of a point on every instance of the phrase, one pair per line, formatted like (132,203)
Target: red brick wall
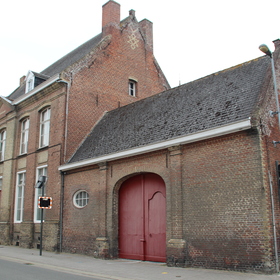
(224,216)
(81,224)
(270,132)
(100,83)
(97,83)
(226,213)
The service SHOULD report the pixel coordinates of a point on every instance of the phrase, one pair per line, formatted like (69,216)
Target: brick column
(176,247)
(102,244)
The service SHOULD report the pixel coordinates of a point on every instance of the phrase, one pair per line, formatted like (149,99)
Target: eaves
(40,87)
(194,137)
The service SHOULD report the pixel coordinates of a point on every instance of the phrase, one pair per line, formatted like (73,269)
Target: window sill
(43,148)
(22,155)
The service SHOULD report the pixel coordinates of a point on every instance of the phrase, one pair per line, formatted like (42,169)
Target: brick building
(45,119)
(138,170)
(183,176)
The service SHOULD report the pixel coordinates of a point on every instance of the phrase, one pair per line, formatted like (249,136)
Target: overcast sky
(192,39)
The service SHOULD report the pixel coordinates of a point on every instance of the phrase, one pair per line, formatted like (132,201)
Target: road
(10,270)
(21,264)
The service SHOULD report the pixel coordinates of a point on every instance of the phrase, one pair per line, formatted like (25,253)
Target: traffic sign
(45,202)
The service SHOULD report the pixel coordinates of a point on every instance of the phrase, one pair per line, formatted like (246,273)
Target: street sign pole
(42,221)
(41,185)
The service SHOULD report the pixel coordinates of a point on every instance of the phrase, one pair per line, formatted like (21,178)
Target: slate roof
(218,99)
(72,57)
(62,63)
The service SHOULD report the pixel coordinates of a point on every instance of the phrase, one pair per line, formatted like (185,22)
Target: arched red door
(142,218)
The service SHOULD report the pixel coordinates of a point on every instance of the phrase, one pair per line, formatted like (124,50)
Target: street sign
(45,202)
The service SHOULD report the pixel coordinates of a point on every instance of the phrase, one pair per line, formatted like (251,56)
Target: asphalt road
(27,271)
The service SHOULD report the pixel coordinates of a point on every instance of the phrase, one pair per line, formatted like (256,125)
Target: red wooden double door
(142,218)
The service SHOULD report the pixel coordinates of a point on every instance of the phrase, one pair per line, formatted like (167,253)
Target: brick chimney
(146,27)
(276,43)
(110,17)
(21,80)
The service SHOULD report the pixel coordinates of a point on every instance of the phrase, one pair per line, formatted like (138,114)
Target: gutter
(38,88)
(6,99)
(194,137)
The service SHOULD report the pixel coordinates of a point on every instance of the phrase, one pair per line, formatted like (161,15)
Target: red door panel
(155,232)
(142,218)
(131,221)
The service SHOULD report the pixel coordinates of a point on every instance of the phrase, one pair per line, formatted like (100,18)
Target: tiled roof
(218,99)
(62,63)
(72,57)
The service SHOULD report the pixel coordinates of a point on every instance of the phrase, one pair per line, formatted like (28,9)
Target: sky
(192,39)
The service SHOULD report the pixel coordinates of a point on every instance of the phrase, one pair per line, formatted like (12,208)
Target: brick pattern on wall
(224,204)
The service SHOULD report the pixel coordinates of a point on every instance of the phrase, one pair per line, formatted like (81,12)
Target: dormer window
(30,85)
(30,78)
(132,87)
(34,79)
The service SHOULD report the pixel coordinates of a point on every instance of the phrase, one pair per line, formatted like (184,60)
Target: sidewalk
(119,269)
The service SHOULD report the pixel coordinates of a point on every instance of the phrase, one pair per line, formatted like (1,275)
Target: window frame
(80,199)
(132,87)
(19,196)
(30,84)
(2,144)
(38,192)
(30,81)
(1,187)
(24,135)
(44,137)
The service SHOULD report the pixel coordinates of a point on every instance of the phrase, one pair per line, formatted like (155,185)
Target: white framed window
(19,201)
(24,136)
(132,85)
(1,183)
(30,85)
(30,78)
(2,144)
(45,116)
(80,199)
(41,171)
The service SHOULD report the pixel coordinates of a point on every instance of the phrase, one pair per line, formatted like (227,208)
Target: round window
(80,199)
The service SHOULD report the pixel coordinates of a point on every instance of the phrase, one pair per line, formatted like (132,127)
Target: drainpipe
(64,157)
(61,211)
(274,226)
(66,116)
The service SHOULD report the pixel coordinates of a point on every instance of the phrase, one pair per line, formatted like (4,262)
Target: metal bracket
(271,113)
(275,143)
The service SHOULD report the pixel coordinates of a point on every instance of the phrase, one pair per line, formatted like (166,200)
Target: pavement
(118,269)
